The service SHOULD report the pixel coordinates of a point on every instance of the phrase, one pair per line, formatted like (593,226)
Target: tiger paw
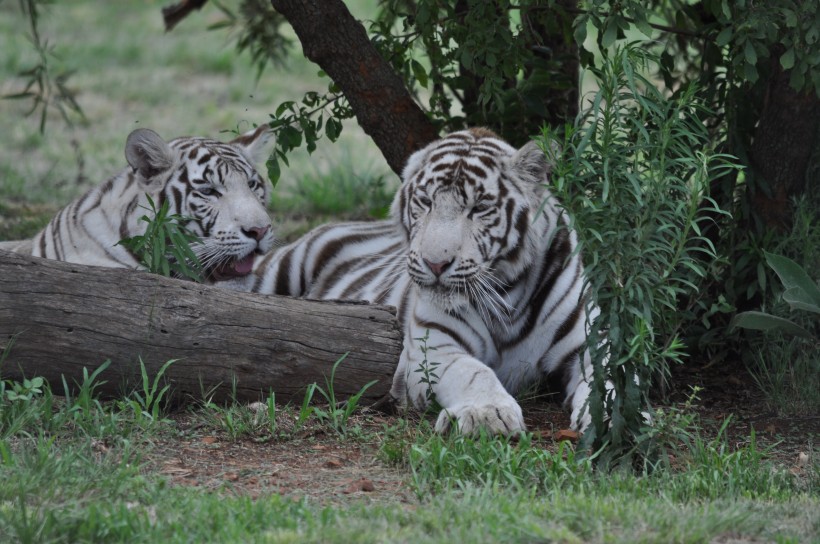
(497,418)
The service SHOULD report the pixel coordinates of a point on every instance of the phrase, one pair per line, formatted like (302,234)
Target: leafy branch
(45,88)
(296,123)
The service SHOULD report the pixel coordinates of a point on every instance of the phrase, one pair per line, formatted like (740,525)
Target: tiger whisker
(492,301)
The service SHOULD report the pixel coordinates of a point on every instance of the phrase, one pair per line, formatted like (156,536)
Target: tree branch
(175,13)
(332,38)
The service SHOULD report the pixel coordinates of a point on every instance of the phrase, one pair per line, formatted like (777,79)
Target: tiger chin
(480,263)
(214,184)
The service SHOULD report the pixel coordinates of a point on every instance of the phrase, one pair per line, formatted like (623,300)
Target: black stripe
(521,224)
(332,248)
(368,276)
(283,276)
(565,367)
(456,337)
(568,325)
(551,269)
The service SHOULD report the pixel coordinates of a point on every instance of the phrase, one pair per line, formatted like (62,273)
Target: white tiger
(477,258)
(212,183)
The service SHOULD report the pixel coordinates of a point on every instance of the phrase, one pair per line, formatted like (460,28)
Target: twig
(175,13)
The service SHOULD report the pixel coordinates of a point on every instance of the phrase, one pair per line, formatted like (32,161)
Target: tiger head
(467,204)
(215,185)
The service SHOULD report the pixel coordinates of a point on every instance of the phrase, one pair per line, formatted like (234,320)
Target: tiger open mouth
(234,269)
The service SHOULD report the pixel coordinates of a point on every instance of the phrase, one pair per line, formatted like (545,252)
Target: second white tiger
(213,184)
(482,268)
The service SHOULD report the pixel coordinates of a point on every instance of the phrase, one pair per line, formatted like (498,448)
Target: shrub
(633,173)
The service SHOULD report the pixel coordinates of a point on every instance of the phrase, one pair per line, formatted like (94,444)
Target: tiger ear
(148,154)
(533,164)
(254,143)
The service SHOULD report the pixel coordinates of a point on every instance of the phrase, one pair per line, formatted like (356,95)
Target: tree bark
(332,38)
(61,318)
(785,139)
(550,31)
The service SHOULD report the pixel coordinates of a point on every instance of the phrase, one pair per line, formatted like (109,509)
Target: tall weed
(634,174)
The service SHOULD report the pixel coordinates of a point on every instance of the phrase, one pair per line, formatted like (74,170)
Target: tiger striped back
(480,263)
(213,183)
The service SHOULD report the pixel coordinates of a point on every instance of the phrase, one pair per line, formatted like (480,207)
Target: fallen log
(61,318)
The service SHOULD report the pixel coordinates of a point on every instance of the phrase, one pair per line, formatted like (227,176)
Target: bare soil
(318,465)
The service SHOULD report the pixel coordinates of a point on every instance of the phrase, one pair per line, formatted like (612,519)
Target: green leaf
(751,72)
(761,321)
(797,79)
(725,36)
(787,59)
(750,53)
(580,32)
(610,34)
(333,129)
(801,291)
(791,18)
(645,28)
(419,72)
(274,170)
(290,137)
(283,107)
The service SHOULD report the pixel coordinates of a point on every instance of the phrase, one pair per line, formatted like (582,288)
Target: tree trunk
(60,318)
(785,139)
(332,38)
(550,35)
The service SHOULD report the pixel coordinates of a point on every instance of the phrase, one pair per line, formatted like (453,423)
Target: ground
(316,464)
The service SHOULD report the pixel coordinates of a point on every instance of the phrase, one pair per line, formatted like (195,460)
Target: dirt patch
(314,463)
(730,392)
(319,465)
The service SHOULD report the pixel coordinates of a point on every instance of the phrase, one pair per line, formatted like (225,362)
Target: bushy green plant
(29,408)
(238,419)
(427,368)
(634,175)
(165,247)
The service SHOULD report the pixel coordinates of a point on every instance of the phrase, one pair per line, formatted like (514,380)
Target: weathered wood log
(64,317)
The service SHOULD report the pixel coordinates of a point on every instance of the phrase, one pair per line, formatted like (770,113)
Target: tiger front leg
(468,391)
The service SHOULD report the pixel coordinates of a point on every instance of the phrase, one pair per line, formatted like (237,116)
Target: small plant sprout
(338,413)
(427,368)
(148,404)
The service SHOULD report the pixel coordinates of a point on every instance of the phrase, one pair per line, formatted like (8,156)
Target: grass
(63,486)
(131,507)
(76,469)
(787,370)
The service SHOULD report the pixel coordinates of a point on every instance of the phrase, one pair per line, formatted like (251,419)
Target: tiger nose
(439,267)
(257,233)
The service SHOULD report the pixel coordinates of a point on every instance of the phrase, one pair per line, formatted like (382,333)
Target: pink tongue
(244,266)
(234,269)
